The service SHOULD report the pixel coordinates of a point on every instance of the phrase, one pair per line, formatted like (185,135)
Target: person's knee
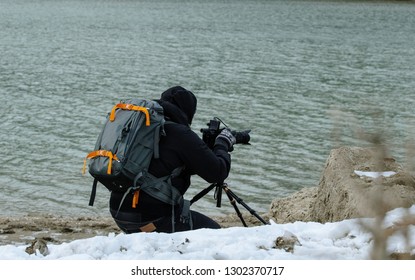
(202,221)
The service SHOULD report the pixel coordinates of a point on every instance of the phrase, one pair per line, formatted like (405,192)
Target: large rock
(342,194)
(297,207)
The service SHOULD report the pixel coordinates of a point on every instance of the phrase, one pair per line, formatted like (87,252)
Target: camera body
(209,134)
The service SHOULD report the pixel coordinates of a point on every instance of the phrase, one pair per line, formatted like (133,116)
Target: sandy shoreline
(57,229)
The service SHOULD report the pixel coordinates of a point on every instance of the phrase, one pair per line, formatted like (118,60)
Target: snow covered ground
(344,240)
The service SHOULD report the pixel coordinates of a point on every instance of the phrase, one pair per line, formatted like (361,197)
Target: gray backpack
(124,149)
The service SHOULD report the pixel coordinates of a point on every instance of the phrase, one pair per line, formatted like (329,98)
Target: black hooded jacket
(180,147)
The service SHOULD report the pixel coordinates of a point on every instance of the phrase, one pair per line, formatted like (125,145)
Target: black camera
(209,134)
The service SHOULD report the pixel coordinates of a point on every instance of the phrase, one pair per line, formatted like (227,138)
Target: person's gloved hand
(227,137)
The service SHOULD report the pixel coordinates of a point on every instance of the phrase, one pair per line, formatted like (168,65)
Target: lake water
(303,75)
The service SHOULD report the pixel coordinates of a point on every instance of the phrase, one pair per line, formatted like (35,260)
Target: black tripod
(233,198)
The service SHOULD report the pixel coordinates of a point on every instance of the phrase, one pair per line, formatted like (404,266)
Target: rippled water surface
(303,75)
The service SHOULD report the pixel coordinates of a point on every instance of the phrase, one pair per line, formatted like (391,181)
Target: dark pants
(131,223)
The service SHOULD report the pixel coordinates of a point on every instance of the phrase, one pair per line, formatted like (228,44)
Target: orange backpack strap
(130,107)
(101,153)
(136,196)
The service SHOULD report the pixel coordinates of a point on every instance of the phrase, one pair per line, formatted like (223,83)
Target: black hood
(179,104)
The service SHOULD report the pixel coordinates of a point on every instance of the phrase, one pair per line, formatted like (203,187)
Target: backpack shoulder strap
(93,192)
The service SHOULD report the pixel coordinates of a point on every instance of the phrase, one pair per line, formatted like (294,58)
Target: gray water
(303,75)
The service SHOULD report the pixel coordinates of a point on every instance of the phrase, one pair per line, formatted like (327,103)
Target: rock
(287,242)
(296,207)
(38,245)
(342,194)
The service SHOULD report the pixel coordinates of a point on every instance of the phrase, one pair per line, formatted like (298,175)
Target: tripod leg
(202,193)
(240,201)
(218,195)
(233,202)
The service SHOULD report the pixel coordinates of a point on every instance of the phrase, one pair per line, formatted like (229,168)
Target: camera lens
(242,137)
